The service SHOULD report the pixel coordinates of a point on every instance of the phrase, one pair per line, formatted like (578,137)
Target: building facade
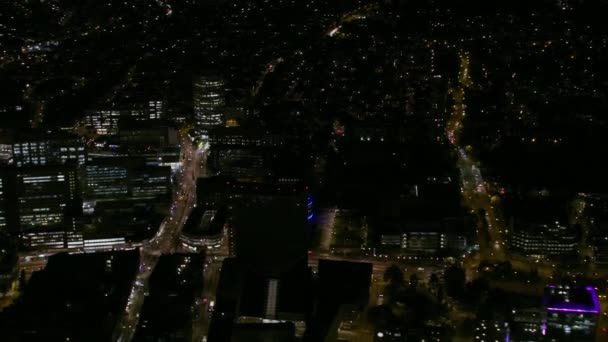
(115,178)
(571,313)
(209,103)
(543,240)
(41,148)
(105,121)
(45,196)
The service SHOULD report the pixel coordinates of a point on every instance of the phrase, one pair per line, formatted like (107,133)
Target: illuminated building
(147,135)
(42,204)
(244,164)
(105,121)
(247,137)
(106,179)
(487,331)
(430,236)
(52,239)
(254,155)
(41,148)
(44,207)
(204,229)
(44,197)
(4,201)
(600,249)
(156,109)
(113,178)
(209,103)
(543,240)
(150,182)
(525,324)
(571,313)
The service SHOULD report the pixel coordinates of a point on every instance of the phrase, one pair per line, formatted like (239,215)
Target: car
(380,300)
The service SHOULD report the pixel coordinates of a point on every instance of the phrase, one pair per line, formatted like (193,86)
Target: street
(166,239)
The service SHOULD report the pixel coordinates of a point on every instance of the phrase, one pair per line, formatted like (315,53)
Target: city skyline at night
(223,170)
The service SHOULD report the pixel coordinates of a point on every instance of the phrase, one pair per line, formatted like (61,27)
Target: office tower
(4,200)
(106,179)
(543,239)
(269,278)
(571,313)
(156,109)
(209,103)
(105,121)
(138,135)
(46,198)
(150,182)
(250,154)
(270,223)
(25,148)
(121,178)
(48,204)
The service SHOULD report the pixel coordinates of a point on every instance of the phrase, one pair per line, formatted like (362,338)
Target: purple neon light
(543,328)
(596,303)
(573,310)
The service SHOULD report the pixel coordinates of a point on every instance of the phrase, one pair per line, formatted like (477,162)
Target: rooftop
(573,299)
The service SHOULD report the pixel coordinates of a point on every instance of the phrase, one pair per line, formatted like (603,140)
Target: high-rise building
(156,109)
(142,135)
(46,197)
(105,121)
(150,182)
(254,155)
(41,148)
(5,200)
(571,313)
(106,179)
(270,230)
(209,103)
(42,205)
(116,178)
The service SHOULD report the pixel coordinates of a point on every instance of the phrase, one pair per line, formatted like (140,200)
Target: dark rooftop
(79,296)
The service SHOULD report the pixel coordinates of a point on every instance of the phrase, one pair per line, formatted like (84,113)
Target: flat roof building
(79,297)
(38,148)
(571,313)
